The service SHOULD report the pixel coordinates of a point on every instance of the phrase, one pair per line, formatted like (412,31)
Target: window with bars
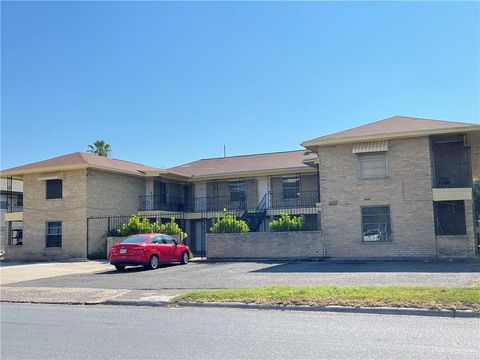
(376,223)
(237,190)
(54,234)
(291,187)
(372,166)
(54,189)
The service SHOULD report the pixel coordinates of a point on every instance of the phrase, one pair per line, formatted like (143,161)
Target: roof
(390,128)
(82,160)
(233,165)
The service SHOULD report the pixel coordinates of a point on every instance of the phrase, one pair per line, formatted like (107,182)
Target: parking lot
(202,274)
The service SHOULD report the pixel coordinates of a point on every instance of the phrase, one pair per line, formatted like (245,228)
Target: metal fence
(218,203)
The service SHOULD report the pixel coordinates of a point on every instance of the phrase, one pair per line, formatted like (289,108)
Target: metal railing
(11,208)
(300,199)
(218,203)
(452,176)
(168,203)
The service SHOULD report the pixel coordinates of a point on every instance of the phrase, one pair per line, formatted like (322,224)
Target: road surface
(122,332)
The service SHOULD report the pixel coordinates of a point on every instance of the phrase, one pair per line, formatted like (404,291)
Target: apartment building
(399,187)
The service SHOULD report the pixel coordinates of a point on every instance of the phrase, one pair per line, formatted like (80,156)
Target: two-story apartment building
(399,187)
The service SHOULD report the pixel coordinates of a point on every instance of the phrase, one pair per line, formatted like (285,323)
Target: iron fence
(218,203)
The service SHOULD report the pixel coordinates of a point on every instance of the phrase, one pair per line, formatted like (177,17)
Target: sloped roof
(268,162)
(80,159)
(393,127)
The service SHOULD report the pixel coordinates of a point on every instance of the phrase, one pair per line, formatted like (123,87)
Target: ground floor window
(450,217)
(376,223)
(54,234)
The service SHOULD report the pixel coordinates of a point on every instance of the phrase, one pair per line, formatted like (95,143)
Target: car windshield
(134,239)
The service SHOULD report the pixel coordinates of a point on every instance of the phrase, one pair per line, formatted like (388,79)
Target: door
(168,249)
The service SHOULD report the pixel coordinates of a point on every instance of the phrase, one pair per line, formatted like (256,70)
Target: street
(93,332)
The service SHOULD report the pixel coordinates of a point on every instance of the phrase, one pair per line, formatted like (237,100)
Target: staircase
(255,218)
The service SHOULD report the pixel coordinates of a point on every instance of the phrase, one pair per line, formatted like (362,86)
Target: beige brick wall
(407,191)
(109,194)
(278,245)
(37,211)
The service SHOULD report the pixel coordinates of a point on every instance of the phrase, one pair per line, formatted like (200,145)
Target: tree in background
(100,148)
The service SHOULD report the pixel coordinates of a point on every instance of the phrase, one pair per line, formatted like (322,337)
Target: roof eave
(268,172)
(18,174)
(311,144)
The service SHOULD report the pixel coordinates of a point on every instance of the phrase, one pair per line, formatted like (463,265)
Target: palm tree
(100,148)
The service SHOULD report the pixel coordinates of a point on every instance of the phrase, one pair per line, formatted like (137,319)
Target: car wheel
(120,267)
(184,259)
(153,264)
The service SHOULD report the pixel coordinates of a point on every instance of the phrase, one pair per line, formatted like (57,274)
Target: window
(450,217)
(168,240)
(134,239)
(237,190)
(372,166)
(54,189)
(291,187)
(54,234)
(376,223)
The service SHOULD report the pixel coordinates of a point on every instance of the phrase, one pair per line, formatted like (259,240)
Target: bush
(135,225)
(287,223)
(229,224)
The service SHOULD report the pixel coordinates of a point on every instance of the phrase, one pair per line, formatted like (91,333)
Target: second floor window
(291,187)
(237,190)
(372,166)
(54,189)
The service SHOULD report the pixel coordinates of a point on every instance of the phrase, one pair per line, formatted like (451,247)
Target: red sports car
(148,250)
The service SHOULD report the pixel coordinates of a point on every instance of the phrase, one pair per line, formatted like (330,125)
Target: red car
(148,250)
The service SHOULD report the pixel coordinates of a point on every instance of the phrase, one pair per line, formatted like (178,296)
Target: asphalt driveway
(201,274)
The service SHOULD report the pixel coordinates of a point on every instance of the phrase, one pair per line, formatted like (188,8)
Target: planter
(265,245)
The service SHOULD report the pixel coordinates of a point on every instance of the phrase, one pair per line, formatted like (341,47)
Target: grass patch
(465,298)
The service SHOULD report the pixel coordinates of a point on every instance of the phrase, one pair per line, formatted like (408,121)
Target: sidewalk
(16,272)
(79,296)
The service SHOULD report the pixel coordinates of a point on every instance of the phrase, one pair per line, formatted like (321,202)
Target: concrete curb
(131,302)
(253,306)
(340,309)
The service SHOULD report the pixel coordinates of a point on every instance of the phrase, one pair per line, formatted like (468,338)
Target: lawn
(465,298)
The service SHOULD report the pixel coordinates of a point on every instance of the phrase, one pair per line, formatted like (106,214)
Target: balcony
(12,208)
(218,203)
(301,199)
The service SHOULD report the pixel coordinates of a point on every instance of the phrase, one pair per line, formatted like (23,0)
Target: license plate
(123,251)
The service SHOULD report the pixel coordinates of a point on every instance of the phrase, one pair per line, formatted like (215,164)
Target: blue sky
(168,83)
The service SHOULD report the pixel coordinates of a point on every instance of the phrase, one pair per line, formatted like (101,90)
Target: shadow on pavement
(132,269)
(373,266)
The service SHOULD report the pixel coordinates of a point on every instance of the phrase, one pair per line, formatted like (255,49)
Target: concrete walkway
(13,273)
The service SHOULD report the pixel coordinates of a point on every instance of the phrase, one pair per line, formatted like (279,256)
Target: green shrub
(135,225)
(287,223)
(229,224)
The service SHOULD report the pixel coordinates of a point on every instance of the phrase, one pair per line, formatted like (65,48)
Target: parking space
(201,274)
